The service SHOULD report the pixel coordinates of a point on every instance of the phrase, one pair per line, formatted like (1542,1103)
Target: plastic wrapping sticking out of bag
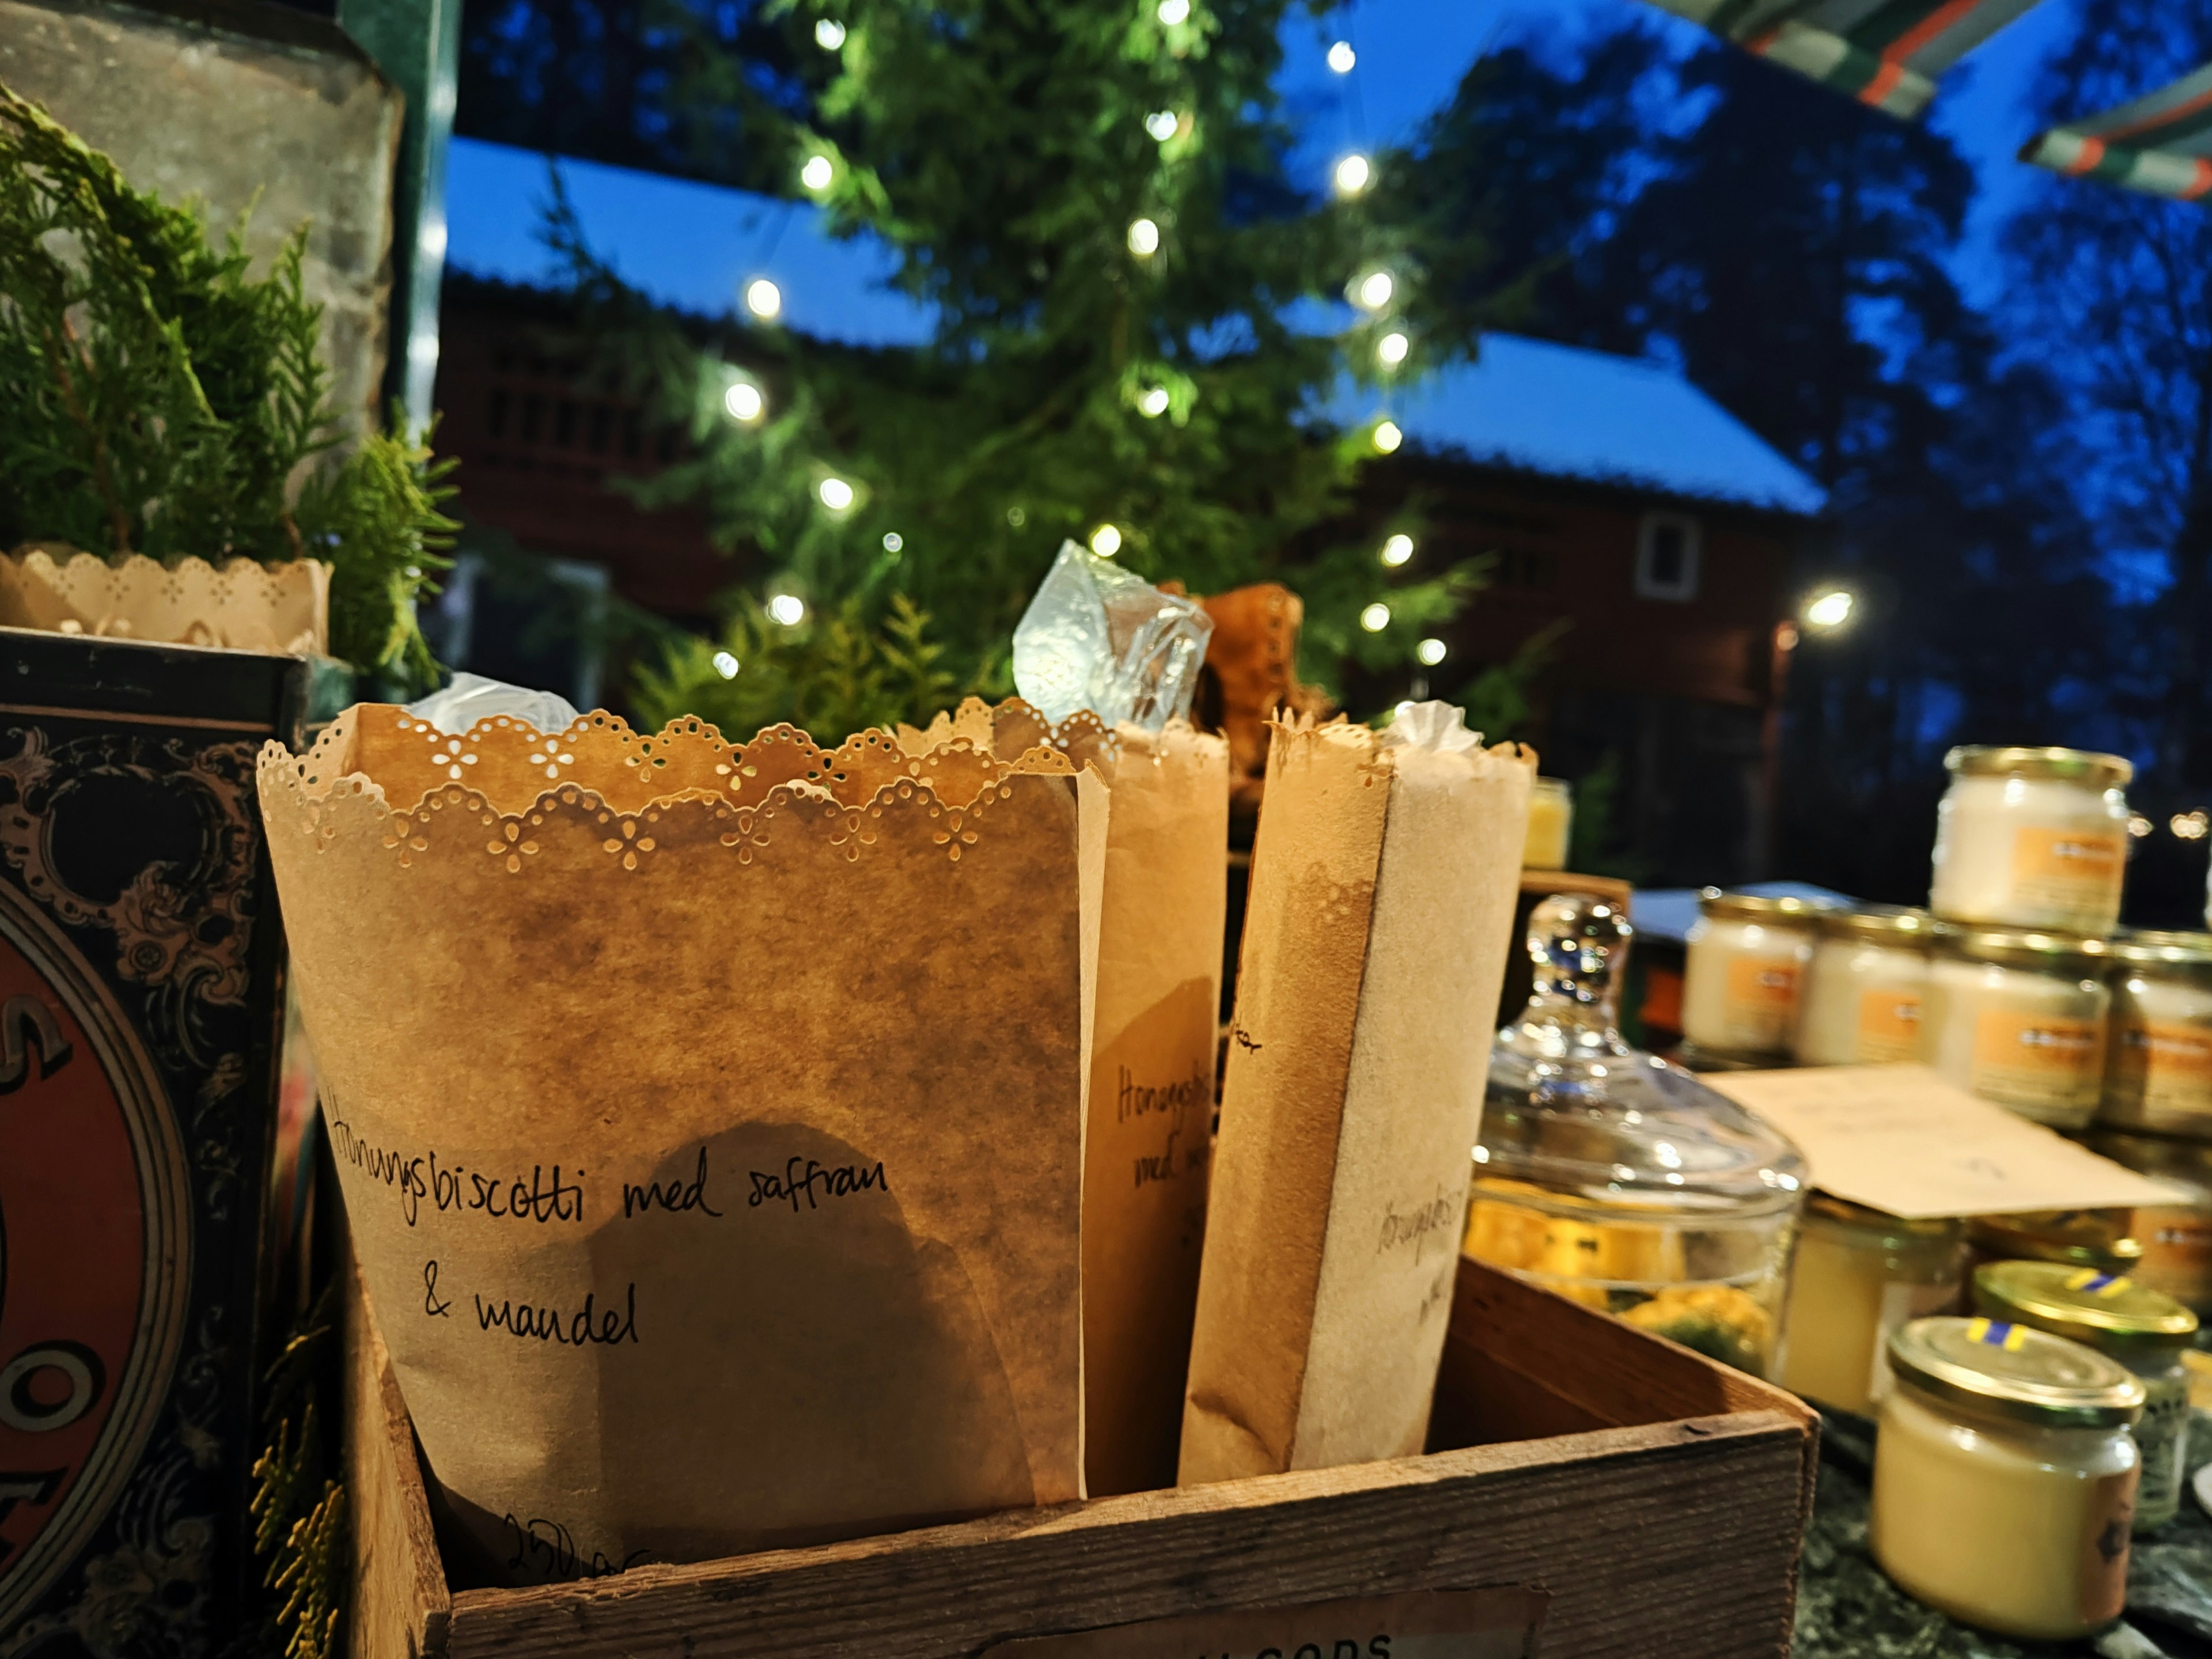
(1152,1065)
(1099,637)
(453,708)
(710,1118)
(1383,881)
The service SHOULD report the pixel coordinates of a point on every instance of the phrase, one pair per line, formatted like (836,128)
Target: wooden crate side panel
(1594,1365)
(1675,1539)
(400,1607)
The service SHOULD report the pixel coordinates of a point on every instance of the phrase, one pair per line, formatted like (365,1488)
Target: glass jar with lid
(1859,1275)
(1859,1003)
(2102,1239)
(2157,1075)
(2019,1017)
(2145,1330)
(2173,1240)
(2004,1477)
(1551,824)
(2033,838)
(1619,1181)
(1740,976)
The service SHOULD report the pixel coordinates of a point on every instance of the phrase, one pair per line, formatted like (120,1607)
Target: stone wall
(242,104)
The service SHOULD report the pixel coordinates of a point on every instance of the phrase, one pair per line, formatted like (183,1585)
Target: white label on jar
(1889,1026)
(1762,1001)
(2162,1436)
(2034,1058)
(2065,870)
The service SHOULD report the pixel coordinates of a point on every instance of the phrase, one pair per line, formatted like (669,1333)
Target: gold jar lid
(2102,1309)
(2144,948)
(2022,947)
(1828,1207)
(2079,1238)
(2016,1370)
(2081,766)
(1752,907)
(1879,924)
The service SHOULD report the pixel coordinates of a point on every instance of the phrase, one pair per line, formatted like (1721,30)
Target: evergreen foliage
(1002,152)
(163,399)
(299,1509)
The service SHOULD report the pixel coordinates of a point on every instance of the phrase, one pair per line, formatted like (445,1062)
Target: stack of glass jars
(1619,1181)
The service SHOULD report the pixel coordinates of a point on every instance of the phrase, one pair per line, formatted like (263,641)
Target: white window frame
(1683,590)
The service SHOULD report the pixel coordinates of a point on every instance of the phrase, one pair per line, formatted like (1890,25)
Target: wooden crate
(1658,1497)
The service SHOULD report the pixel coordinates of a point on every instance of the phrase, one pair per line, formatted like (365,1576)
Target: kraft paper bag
(710,1118)
(1383,881)
(1152,1065)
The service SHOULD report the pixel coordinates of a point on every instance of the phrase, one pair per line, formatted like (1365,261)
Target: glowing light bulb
(788,609)
(1144,238)
(1161,124)
(1106,541)
(893,542)
(726,664)
(1387,437)
(829,35)
(1174,11)
(837,495)
(1375,290)
(1375,617)
(1153,402)
(1390,350)
(1341,56)
(763,299)
(1351,175)
(743,402)
(818,173)
(1397,550)
(1430,652)
(1829,609)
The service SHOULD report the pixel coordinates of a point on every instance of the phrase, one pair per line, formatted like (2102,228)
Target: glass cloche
(1613,1178)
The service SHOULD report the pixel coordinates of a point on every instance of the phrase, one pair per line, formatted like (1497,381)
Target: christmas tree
(1141,322)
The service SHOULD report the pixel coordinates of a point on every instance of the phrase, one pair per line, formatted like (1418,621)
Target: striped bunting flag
(1886,53)
(2162,143)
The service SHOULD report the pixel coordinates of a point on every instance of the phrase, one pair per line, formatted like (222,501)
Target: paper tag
(1889,1026)
(1762,996)
(1481,1624)
(2036,1059)
(2068,869)
(1902,1139)
(2169,1064)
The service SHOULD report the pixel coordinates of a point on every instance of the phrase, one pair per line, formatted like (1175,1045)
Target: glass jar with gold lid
(2172,1241)
(1551,824)
(1859,1002)
(2158,1074)
(1859,1275)
(2004,1477)
(1619,1181)
(2144,1329)
(2019,1017)
(2033,838)
(2101,1239)
(1739,977)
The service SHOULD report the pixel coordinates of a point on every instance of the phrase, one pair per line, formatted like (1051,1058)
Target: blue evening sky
(696,246)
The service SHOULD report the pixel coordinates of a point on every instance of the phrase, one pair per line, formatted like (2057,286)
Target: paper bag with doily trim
(708,1117)
(238,605)
(1152,1069)
(1383,882)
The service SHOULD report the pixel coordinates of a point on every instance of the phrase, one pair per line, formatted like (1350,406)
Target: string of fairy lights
(1374,291)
